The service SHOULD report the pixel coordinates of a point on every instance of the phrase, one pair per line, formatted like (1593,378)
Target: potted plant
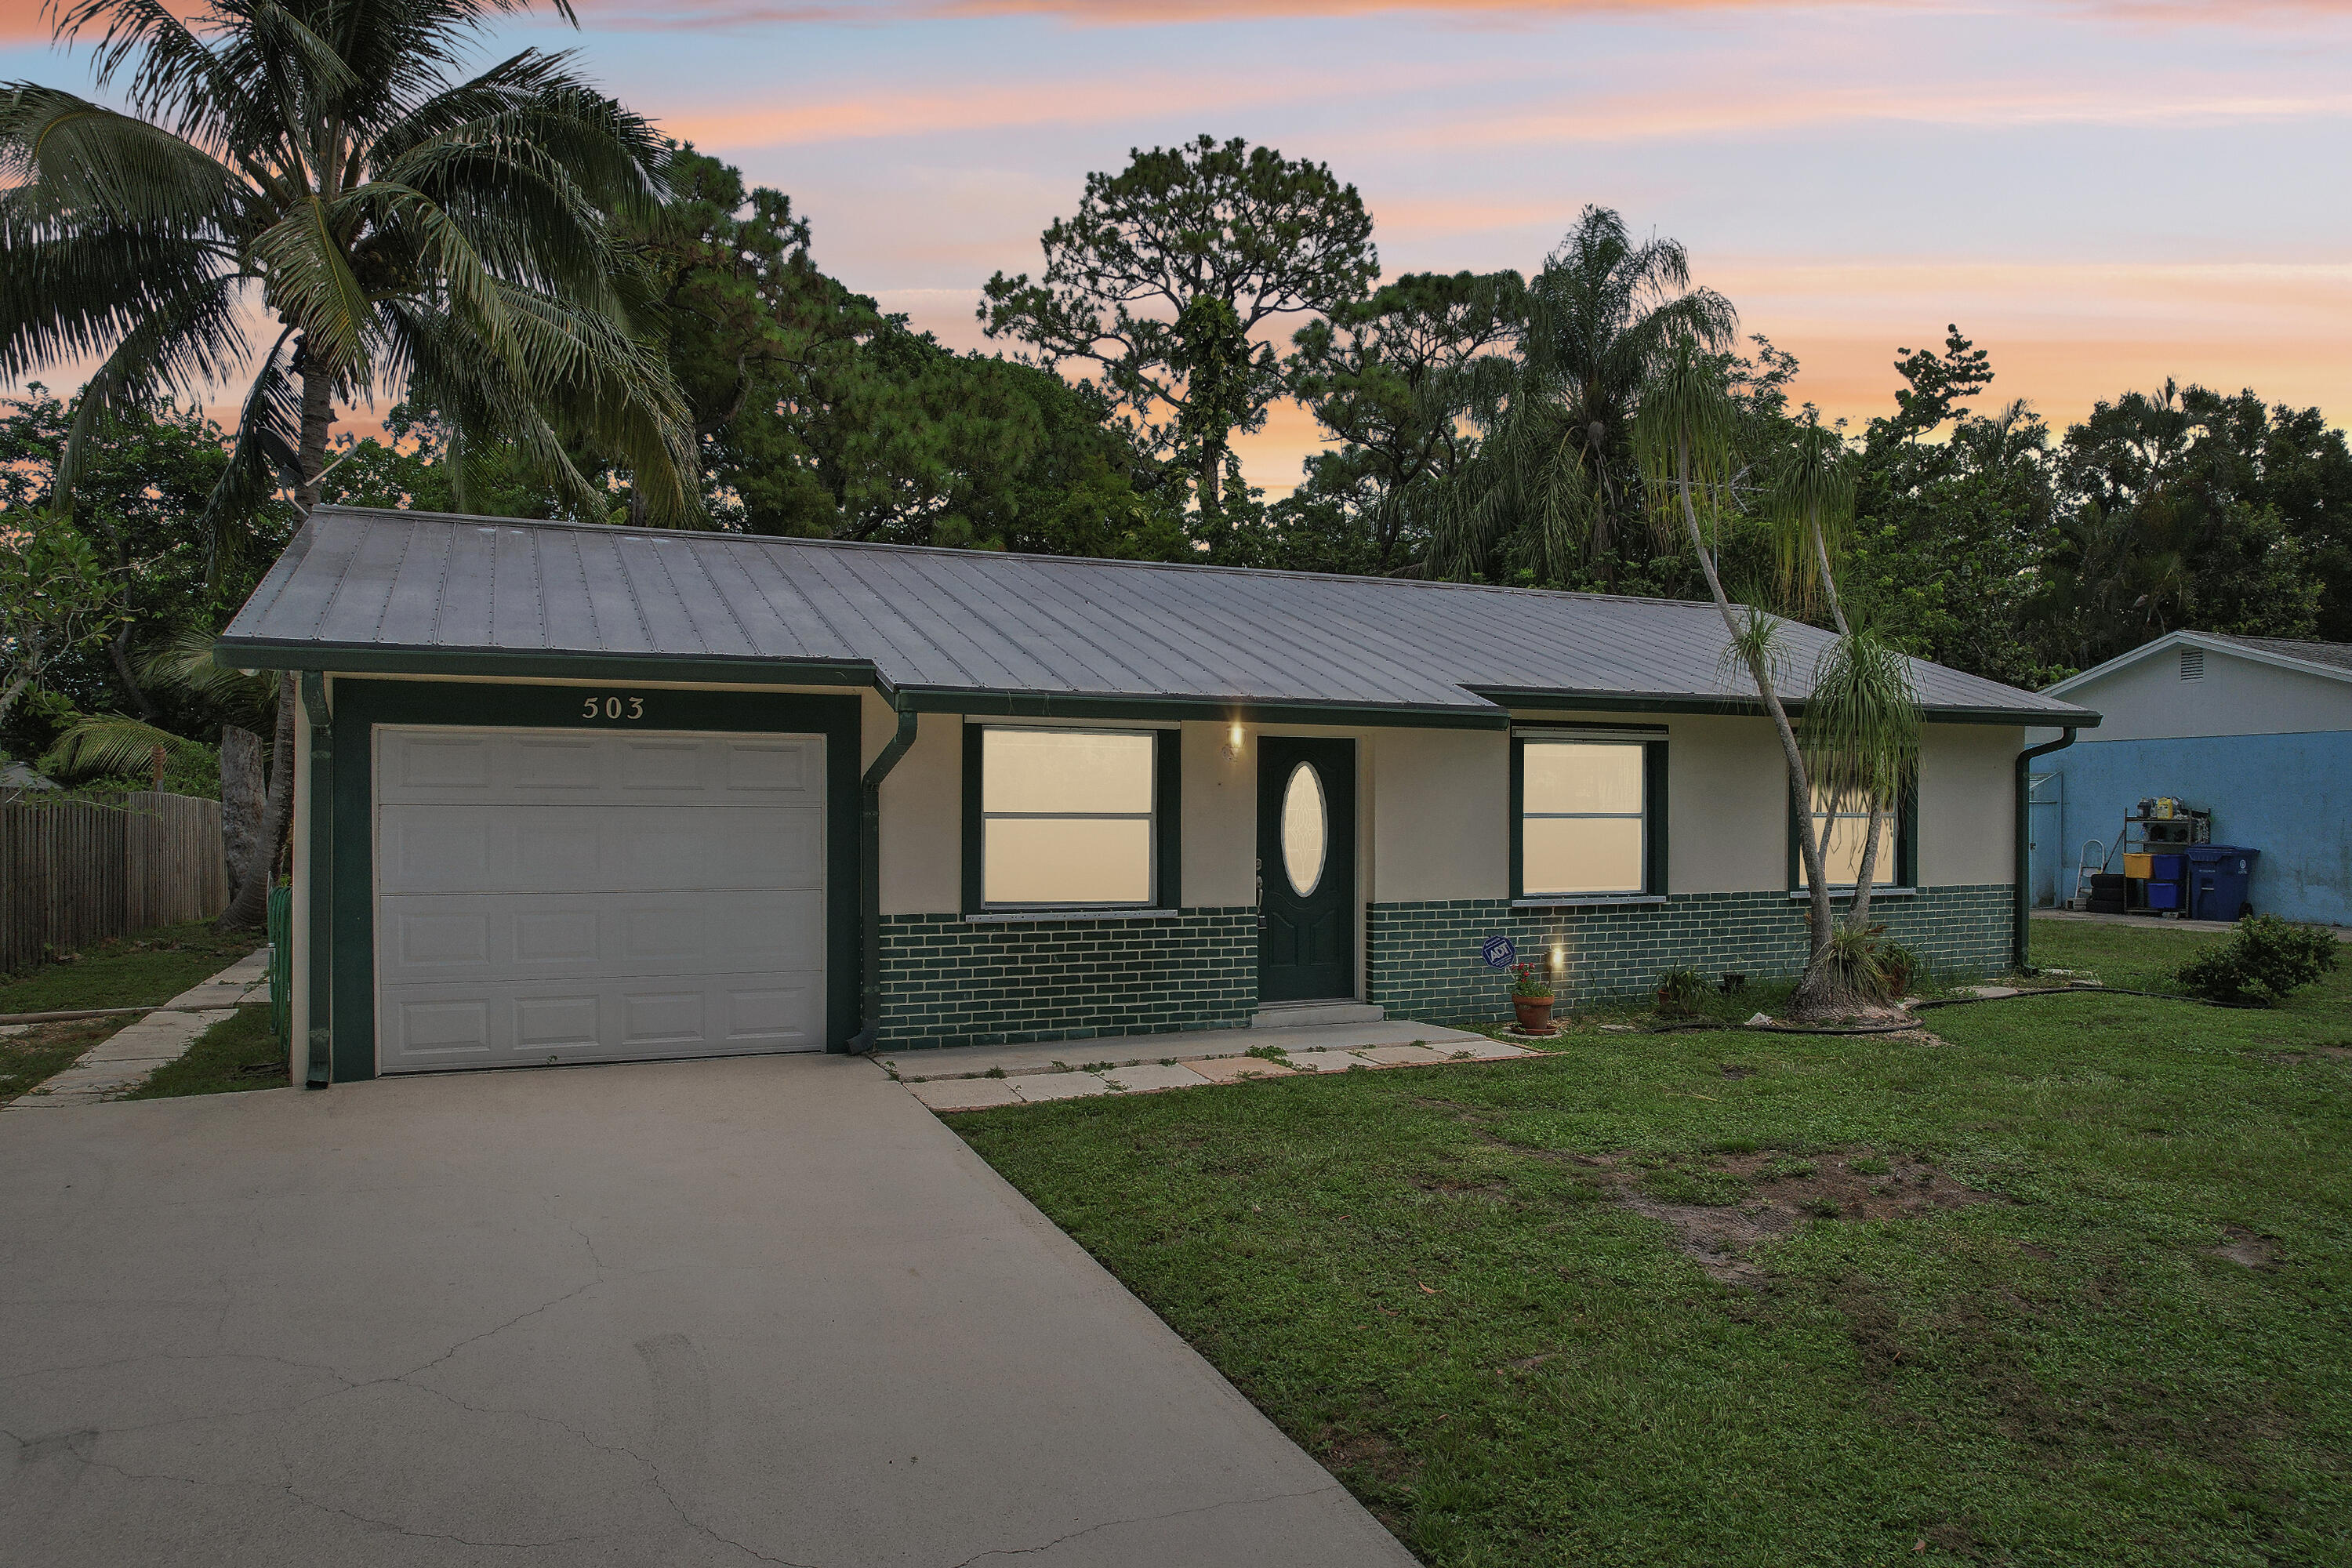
(1531,998)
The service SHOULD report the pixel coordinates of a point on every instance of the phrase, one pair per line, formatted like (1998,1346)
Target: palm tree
(1682,438)
(398,226)
(1602,315)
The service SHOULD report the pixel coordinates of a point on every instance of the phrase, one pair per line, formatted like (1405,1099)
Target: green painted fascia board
(1749,706)
(1072,705)
(360,705)
(541,664)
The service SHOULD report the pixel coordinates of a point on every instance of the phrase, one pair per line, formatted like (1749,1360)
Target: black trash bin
(2218,874)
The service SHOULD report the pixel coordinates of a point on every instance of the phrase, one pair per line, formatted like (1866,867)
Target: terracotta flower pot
(1535,1012)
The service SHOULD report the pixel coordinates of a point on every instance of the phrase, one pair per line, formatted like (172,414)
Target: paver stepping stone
(963,1093)
(1233,1069)
(1150,1076)
(1057,1085)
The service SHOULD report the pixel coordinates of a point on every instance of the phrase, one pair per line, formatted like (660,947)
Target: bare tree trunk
(244,790)
(118,648)
(250,907)
(1212,475)
(1858,913)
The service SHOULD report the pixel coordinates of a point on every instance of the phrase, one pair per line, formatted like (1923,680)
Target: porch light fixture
(1233,741)
(1559,959)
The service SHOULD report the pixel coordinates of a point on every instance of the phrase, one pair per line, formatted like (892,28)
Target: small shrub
(1857,968)
(1905,968)
(2265,959)
(1679,990)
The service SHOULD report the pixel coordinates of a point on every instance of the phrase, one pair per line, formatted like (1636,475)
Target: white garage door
(547,896)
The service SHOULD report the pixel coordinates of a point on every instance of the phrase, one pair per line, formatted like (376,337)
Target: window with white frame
(1584,817)
(1843,826)
(1066,817)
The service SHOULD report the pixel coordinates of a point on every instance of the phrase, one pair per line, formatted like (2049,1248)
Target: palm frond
(1862,723)
(108,744)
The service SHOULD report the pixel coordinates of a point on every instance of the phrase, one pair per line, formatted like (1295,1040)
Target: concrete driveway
(754,1311)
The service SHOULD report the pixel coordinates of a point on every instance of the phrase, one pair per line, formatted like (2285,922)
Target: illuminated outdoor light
(1559,957)
(1234,739)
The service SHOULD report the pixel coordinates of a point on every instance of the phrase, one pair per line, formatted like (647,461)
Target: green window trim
(1907,849)
(1654,842)
(1167,829)
(360,705)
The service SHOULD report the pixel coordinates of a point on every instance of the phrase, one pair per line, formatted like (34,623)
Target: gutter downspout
(2021,894)
(321,880)
(869,875)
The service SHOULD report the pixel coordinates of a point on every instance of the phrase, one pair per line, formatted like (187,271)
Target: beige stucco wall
(1441,819)
(1220,826)
(1968,803)
(922,813)
(1432,809)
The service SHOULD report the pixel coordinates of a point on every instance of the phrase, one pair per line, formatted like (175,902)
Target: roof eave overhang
(1753,708)
(539,664)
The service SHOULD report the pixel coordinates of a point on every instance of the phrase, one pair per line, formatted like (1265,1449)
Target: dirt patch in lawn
(2243,1247)
(1719,1207)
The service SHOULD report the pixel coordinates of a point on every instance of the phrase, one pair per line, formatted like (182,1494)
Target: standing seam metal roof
(979,621)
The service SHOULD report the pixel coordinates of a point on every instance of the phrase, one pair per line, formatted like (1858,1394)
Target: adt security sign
(1499,951)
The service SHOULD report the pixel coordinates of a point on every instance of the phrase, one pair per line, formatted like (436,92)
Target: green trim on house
(1540,701)
(1656,846)
(1167,823)
(947,981)
(1422,959)
(319,812)
(360,705)
(1079,707)
(1906,847)
(540,664)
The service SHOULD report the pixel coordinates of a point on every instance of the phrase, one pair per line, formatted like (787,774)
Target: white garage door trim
(554,896)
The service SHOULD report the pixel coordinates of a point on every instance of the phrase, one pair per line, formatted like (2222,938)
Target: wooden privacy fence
(72,873)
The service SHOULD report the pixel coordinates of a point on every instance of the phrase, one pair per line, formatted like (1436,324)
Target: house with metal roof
(578,791)
(2257,732)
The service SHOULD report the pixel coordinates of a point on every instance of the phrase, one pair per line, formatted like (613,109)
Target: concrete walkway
(695,1314)
(124,1059)
(975,1077)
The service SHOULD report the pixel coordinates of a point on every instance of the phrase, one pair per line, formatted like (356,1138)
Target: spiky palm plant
(1681,435)
(397,226)
(1603,316)
(1862,721)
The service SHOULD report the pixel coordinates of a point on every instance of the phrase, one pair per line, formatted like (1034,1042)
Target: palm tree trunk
(1809,843)
(1829,584)
(250,909)
(1858,912)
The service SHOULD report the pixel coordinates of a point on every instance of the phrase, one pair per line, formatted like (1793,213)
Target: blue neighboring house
(2257,730)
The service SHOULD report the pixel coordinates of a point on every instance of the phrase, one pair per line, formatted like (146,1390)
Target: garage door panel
(435,1027)
(571,896)
(539,768)
(498,937)
(583,848)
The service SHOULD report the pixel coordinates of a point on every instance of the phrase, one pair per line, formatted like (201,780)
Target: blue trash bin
(2218,874)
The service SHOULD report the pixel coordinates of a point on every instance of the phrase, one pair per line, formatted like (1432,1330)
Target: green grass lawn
(234,1053)
(2074,1286)
(140,971)
(32,1055)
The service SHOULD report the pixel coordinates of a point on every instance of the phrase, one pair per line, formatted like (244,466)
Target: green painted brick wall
(1422,959)
(950,982)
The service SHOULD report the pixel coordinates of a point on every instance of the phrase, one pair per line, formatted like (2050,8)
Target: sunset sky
(2102,193)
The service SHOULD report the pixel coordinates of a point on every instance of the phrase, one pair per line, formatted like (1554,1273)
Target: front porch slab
(920,1066)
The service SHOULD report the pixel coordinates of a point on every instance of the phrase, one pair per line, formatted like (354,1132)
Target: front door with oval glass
(1305,869)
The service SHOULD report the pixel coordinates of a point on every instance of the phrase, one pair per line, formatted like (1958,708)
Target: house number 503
(614,707)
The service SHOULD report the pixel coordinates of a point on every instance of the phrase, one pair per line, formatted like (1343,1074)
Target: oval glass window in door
(1305,829)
